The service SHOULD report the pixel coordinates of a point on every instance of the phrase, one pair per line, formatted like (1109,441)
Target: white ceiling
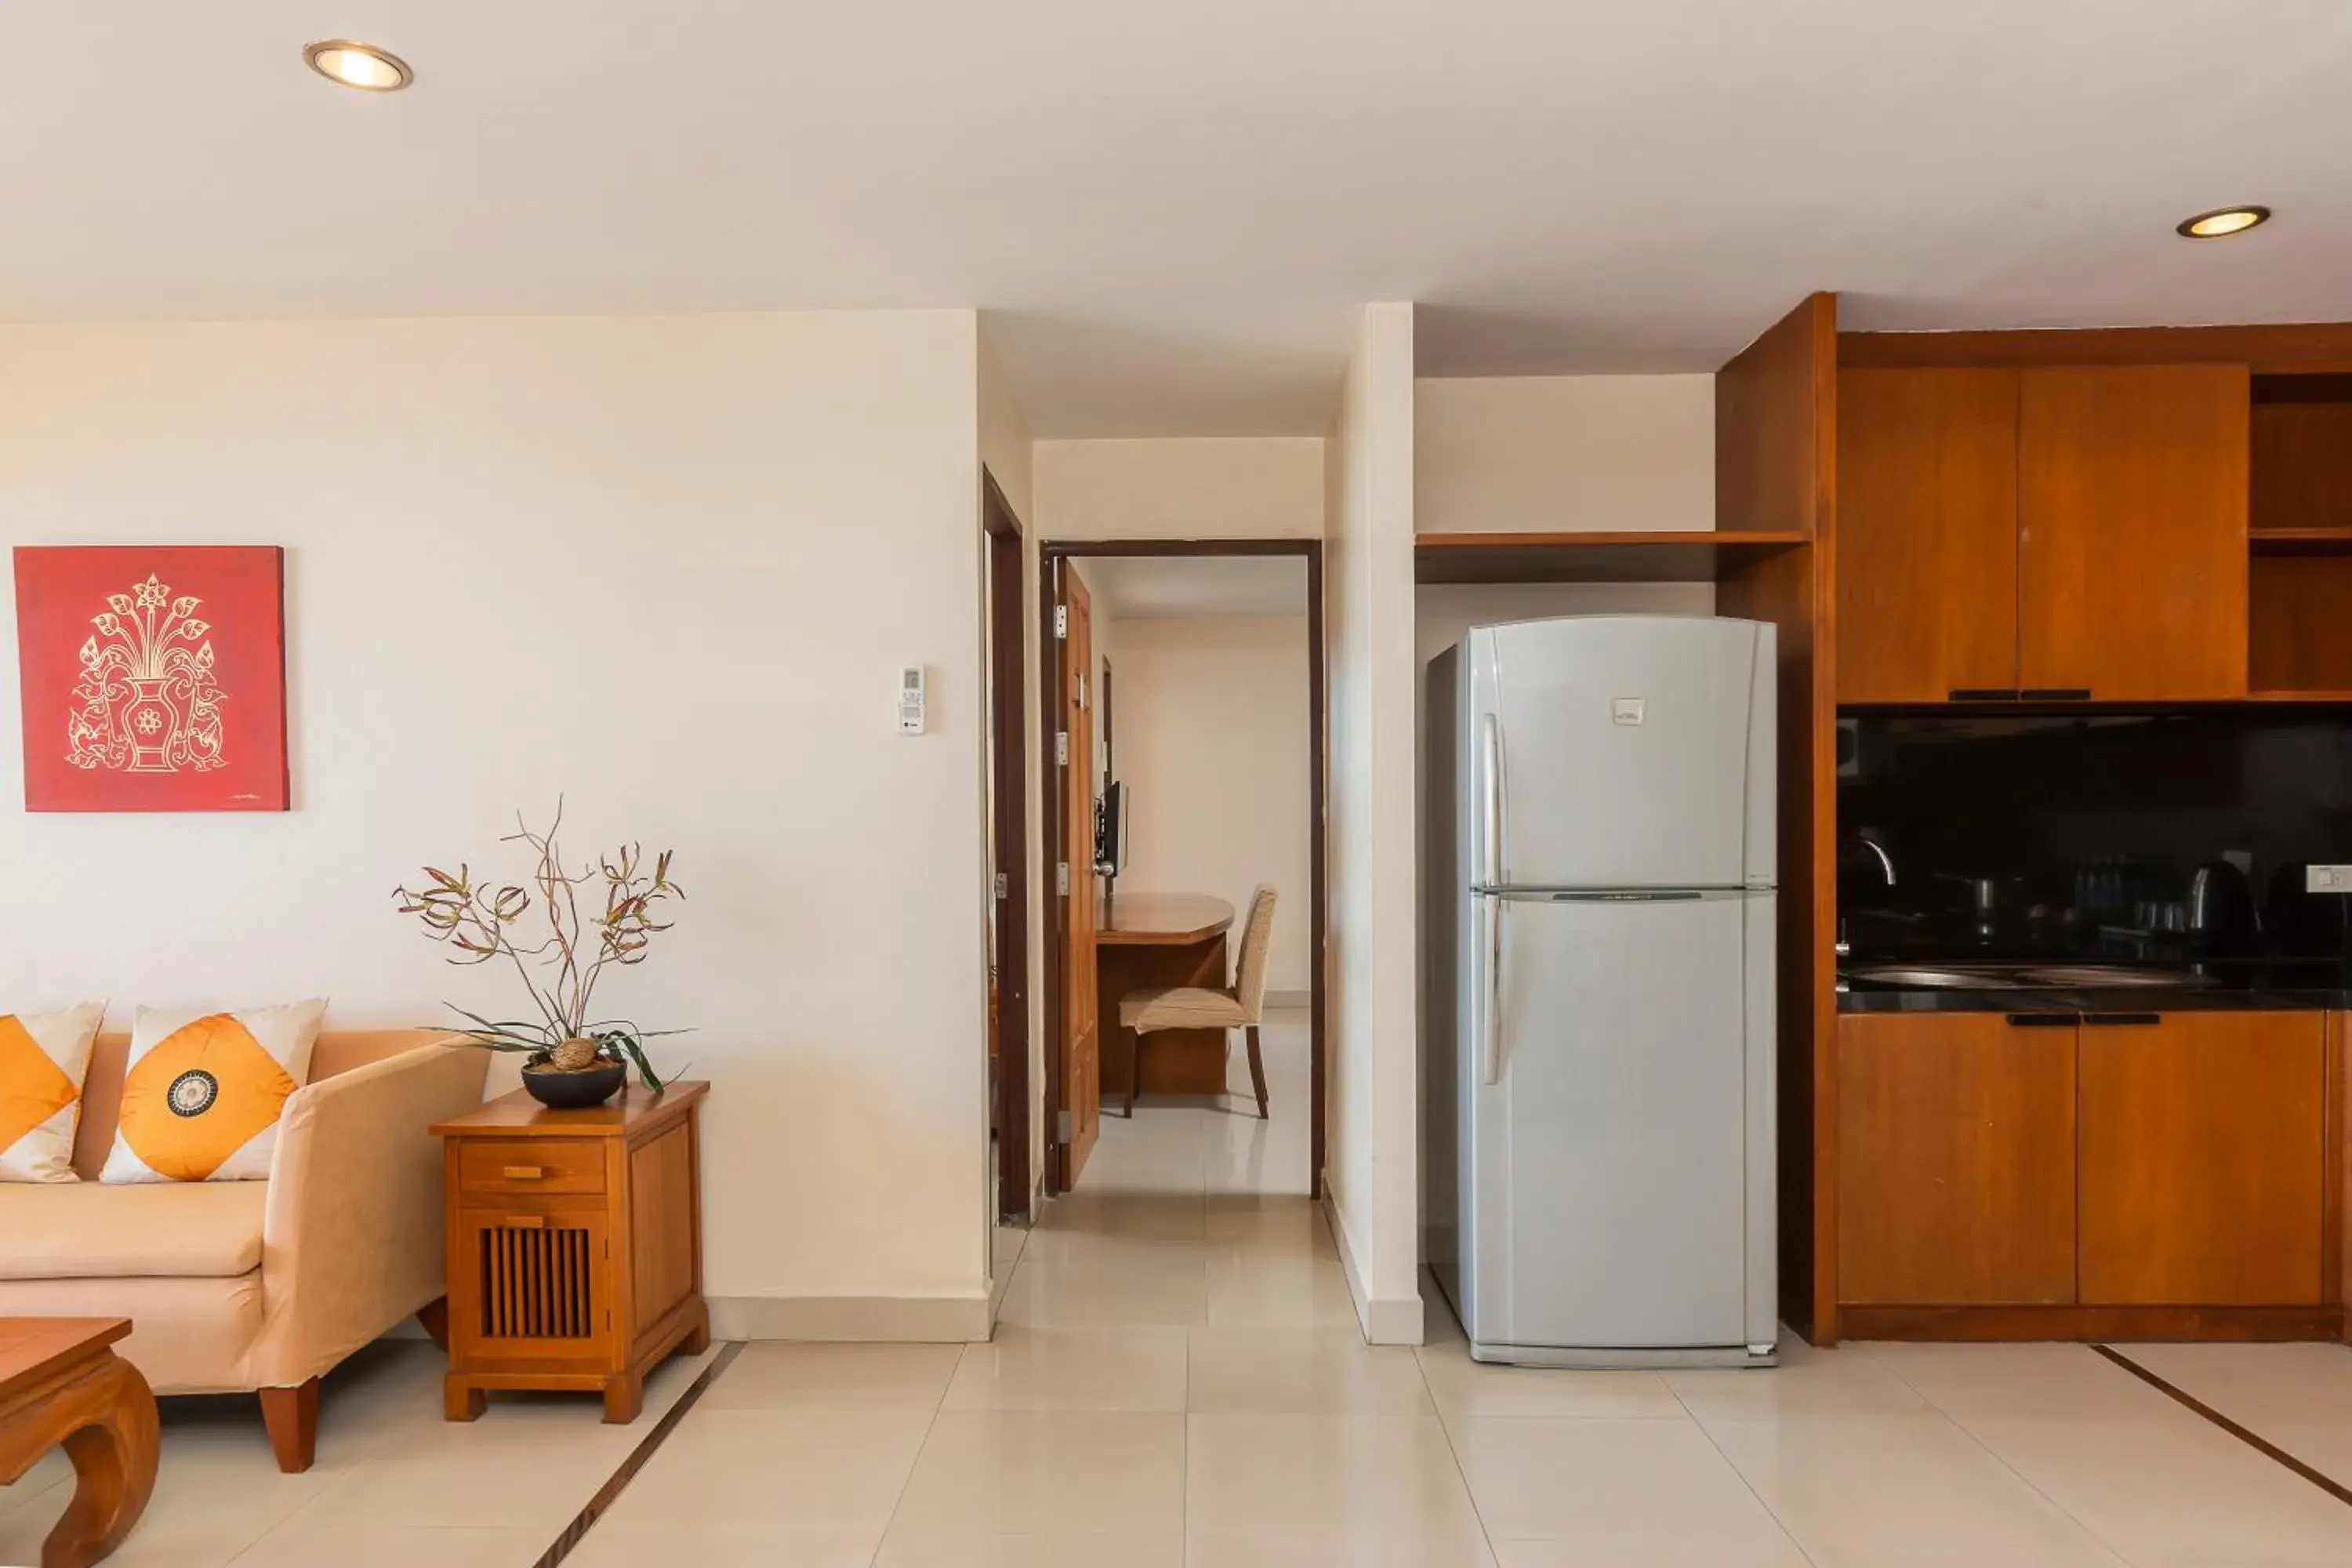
(1144,587)
(1175,208)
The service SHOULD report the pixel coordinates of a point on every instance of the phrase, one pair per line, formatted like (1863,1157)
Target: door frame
(1052,556)
(1008,694)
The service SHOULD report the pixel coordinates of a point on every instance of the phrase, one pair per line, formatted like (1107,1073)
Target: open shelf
(1636,557)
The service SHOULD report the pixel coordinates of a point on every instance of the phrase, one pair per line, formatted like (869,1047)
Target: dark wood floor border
(609,1492)
(2253,1440)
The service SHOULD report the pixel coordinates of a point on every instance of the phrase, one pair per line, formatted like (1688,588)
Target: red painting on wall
(153,677)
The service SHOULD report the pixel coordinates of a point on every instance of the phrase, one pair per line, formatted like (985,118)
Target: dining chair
(1142,1012)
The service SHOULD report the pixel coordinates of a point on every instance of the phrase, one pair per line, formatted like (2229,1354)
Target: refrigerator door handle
(1490,873)
(1490,1041)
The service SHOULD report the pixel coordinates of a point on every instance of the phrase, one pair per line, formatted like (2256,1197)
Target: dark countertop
(2149,999)
(2234,986)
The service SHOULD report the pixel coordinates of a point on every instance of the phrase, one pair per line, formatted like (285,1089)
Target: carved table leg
(114,1465)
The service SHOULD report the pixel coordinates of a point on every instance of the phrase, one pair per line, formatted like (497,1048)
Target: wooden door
(2131,495)
(1956,1160)
(2202,1158)
(1927,535)
(1082,1042)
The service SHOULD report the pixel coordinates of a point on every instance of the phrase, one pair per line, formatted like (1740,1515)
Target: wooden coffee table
(61,1383)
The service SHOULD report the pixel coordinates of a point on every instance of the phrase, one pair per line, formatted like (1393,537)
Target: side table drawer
(528,1165)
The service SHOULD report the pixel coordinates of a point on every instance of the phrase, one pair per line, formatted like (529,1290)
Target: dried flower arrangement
(481,921)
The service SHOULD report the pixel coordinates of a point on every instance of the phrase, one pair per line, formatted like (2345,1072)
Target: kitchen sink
(2028,976)
(1936,979)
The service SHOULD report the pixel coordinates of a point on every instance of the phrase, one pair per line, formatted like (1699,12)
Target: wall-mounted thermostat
(911,699)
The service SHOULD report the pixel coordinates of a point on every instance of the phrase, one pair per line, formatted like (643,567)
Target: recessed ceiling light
(363,66)
(2222,222)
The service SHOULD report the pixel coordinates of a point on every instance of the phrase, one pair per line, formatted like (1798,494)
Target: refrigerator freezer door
(1625,751)
(1618,1189)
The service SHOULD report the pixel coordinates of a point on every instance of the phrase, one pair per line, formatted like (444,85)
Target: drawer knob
(525,1173)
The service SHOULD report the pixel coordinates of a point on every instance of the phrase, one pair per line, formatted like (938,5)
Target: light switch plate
(2328,879)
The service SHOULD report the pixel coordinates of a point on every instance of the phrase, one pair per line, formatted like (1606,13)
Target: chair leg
(1257,1072)
(291,1414)
(1134,1068)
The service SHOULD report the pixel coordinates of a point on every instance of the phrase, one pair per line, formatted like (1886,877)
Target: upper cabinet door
(1927,535)
(2131,554)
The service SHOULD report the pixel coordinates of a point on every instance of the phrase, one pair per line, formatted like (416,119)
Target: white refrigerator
(1598,1026)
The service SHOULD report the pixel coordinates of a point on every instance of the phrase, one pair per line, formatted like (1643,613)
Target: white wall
(1564,453)
(1374,1157)
(663,566)
(1214,723)
(1213,487)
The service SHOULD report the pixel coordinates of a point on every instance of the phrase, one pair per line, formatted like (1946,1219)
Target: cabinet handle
(1984,694)
(2041,1020)
(2122,1020)
(522,1222)
(525,1173)
(2055,694)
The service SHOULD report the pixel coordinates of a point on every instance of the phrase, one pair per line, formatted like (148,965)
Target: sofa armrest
(351,1230)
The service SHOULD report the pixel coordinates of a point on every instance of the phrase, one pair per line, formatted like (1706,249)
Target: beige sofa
(257,1287)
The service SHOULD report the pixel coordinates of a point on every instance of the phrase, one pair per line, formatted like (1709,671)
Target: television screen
(1110,830)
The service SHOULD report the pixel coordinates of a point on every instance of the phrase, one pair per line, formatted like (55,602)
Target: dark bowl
(575,1090)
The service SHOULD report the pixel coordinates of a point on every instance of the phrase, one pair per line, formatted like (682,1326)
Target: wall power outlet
(2328,879)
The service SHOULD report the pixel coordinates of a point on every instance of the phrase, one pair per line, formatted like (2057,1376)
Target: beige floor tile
(833,1377)
(1663,1553)
(393,1546)
(2260,1386)
(1255,1287)
(1971,1381)
(1072,1369)
(1808,1381)
(1604,1482)
(1145,1283)
(1465,1389)
(1304,1371)
(1911,1490)
(1359,1477)
(2326,1448)
(715,1543)
(27,1510)
(2172,1489)
(1144,1216)
(824,1471)
(1467,1550)
(1298,1227)
(1085,1551)
(1051,1472)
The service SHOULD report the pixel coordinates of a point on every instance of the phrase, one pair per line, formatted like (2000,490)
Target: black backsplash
(2082,835)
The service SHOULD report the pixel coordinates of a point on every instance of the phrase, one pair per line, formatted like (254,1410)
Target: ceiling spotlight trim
(310,53)
(2255,213)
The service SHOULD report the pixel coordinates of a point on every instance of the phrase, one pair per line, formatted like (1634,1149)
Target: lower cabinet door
(1956,1160)
(2202,1158)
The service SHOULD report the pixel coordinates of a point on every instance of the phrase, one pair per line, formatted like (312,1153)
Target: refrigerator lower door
(1618,1119)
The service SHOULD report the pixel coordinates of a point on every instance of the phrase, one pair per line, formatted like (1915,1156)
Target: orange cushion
(202,1093)
(43,1059)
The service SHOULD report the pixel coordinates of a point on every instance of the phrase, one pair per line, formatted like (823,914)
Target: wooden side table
(575,1246)
(61,1383)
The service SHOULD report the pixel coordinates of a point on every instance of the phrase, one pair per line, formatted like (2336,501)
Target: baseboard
(912,1319)
(1386,1321)
(1290,998)
(2125,1324)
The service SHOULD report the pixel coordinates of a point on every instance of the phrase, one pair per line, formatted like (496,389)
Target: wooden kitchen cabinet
(2202,1159)
(2131,556)
(2055,533)
(1955,1159)
(1926,534)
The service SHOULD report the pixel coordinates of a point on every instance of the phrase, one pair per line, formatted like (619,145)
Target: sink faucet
(1885,861)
